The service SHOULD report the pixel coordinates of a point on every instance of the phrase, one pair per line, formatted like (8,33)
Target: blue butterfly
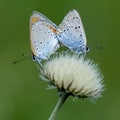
(72,34)
(42,37)
(45,36)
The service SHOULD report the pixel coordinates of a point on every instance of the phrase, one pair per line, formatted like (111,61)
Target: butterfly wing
(42,36)
(36,16)
(72,32)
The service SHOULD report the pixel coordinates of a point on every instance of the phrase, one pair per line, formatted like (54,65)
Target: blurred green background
(23,96)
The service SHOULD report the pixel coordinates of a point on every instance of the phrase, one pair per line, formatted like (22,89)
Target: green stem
(63,96)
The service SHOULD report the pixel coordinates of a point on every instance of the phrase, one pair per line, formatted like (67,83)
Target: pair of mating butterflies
(46,37)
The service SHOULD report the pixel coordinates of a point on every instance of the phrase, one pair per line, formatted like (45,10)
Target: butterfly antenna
(22,59)
(100,46)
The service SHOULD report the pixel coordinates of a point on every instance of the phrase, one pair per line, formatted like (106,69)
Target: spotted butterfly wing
(71,32)
(42,36)
(36,16)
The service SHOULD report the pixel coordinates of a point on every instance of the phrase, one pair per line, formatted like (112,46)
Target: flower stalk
(62,98)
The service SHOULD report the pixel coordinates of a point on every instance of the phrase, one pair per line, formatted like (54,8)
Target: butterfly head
(86,49)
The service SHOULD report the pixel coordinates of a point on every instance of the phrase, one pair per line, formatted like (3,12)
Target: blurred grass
(22,95)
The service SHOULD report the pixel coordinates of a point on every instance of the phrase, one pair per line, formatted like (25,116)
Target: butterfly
(43,39)
(72,34)
(46,37)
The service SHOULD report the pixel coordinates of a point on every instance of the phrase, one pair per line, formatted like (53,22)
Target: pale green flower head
(75,75)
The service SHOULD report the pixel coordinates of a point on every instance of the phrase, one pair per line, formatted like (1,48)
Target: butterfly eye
(33,58)
(87,48)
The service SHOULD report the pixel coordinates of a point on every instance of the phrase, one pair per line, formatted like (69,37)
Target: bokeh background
(23,96)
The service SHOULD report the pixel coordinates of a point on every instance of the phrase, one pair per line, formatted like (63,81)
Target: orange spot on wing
(53,29)
(34,19)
